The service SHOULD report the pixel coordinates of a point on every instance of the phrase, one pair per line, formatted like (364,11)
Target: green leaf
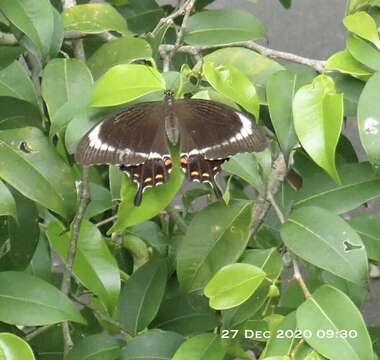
(28,300)
(101,201)
(325,240)
(258,68)
(15,82)
(323,108)
(94,19)
(363,52)
(328,309)
(345,63)
(247,167)
(94,265)
(232,83)
(95,347)
(124,83)
(152,345)
(220,27)
(278,346)
(281,89)
(24,232)
(359,185)
(26,154)
(232,285)
(7,202)
(351,89)
(269,260)
(35,18)
(368,227)
(369,119)
(8,54)
(154,201)
(16,113)
(216,236)
(123,50)
(186,314)
(142,15)
(141,296)
(66,89)
(363,25)
(201,347)
(14,348)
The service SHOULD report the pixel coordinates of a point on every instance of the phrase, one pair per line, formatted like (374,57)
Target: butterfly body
(138,138)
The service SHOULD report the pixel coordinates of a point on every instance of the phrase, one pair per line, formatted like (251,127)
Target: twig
(177,218)
(276,208)
(188,6)
(170,18)
(40,330)
(262,204)
(84,199)
(106,221)
(318,65)
(298,277)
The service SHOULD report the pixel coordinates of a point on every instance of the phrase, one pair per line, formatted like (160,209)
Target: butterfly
(137,138)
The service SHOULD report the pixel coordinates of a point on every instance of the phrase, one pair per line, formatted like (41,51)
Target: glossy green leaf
(24,232)
(224,26)
(41,263)
(319,134)
(123,50)
(66,89)
(26,154)
(154,201)
(351,89)
(186,314)
(94,265)
(247,167)
(28,300)
(8,54)
(363,25)
(16,113)
(101,201)
(281,89)
(359,185)
(141,296)
(331,310)
(344,62)
(152,345)
(258,68)
(34,18)
(7,202)
(325,240)
(269,260)
(232,285)
(95,347)
(364,52)
(216,236)
(142,15)
(368,227)
(369,119)
(15,82)
(94,19)
(124,83)
(13,347)
(201,347)
(232,83)
(277,345)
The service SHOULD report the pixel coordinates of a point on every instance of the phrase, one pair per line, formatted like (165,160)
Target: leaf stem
(297,276)
(177,218)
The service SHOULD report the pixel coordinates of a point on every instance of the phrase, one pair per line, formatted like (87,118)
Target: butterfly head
(169,96)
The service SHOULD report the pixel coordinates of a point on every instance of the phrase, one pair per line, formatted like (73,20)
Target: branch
(84,199)
(263,204)
(297,275)
(318,65)
(170,18)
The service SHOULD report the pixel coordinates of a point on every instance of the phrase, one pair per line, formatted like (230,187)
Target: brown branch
(318,65)
(263,204)
(170,18)
(83,201)
(297,276)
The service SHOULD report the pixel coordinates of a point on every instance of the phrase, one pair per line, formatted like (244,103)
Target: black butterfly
(137,138)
